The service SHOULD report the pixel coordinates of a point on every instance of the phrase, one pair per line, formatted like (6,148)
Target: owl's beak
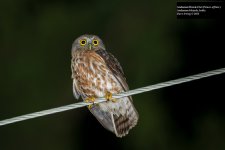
(89,46)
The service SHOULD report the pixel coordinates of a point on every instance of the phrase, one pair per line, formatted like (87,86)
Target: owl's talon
(90,100)
(90,106)
(108,97)
(114,100)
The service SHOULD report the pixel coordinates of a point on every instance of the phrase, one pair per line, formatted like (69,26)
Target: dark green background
(152,46)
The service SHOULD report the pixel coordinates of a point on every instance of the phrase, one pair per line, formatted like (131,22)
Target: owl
(97,73)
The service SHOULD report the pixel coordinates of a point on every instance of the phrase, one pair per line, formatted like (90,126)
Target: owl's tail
(123,123)
(117,117)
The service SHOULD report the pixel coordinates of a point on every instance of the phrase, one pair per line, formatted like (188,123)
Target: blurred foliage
(152,46)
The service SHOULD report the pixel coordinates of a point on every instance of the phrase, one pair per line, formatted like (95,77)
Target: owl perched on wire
(97,73)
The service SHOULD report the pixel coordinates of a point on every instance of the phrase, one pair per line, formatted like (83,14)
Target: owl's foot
(90,100)
(108,97)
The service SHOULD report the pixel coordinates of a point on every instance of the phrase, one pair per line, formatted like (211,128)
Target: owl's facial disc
(89,43)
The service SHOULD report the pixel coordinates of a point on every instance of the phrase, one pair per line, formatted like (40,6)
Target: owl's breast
(92,75)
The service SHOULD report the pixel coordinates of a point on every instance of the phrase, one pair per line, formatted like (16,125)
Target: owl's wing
(75,91)
(114,65)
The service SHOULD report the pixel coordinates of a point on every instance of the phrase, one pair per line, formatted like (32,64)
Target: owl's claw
(108,97)
(90,100)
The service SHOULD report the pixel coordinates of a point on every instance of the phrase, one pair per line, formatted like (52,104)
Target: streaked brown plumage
(96,72)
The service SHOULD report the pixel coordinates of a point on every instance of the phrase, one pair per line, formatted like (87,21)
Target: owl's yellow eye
(95,42)
(82,42)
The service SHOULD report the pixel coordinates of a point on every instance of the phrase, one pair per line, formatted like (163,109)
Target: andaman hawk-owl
(97,73)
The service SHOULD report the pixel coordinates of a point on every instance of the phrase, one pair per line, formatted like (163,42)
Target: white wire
(101,99)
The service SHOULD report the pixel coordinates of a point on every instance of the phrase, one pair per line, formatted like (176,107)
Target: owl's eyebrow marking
(124,94)
(89,39)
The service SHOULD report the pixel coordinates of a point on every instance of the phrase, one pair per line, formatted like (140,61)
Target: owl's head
(88,42)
